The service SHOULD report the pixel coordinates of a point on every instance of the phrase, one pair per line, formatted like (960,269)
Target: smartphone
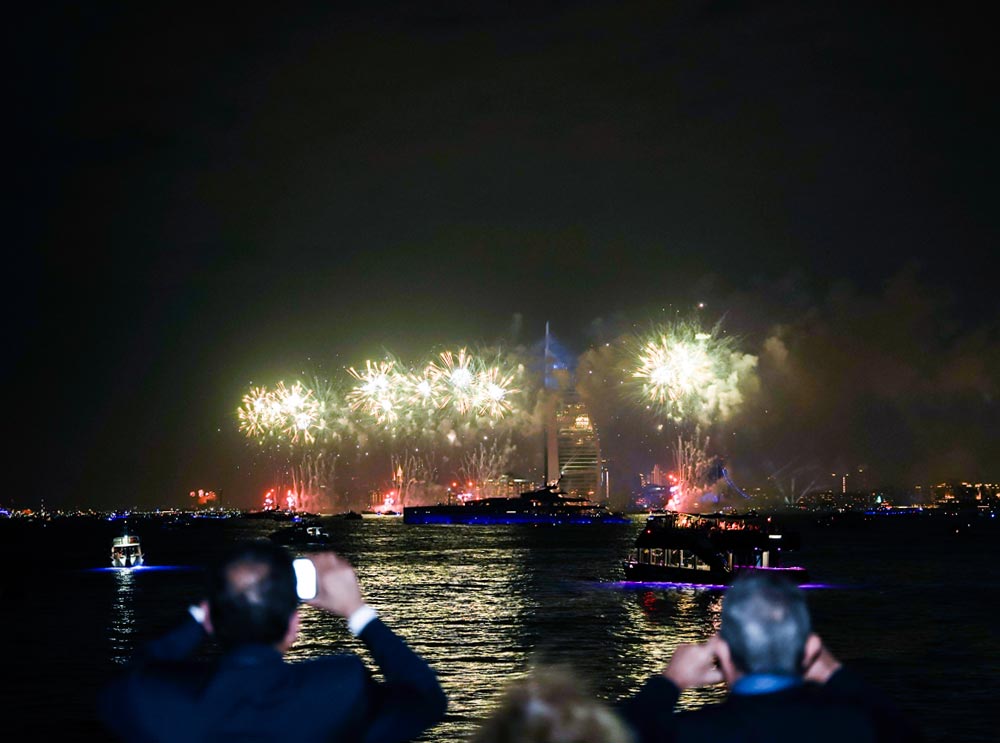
(305,578)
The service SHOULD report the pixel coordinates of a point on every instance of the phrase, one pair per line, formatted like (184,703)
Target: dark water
(908,603)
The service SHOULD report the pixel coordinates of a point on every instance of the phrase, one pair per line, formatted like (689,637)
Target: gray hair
(551,705)
(765,622)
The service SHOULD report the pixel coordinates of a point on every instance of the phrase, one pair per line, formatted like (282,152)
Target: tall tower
(551,427)
(579,448)
(572,447)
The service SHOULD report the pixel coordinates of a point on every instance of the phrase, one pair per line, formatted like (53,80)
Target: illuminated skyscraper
(572,447)
(579,450)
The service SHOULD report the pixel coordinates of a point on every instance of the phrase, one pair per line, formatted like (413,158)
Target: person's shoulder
(345,666)
(159,696)
(807,712)
(712,722)
(167,673)
(340,681)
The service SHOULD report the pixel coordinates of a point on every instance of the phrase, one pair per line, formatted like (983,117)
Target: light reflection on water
(122,625)
(482,604)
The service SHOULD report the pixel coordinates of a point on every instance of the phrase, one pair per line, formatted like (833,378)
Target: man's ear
(293,631)
(814,646)
(206,623)
(722,653)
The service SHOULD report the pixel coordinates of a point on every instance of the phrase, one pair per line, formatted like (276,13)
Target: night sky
(203,199)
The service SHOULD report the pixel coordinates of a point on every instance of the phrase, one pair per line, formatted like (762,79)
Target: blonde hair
(550,705)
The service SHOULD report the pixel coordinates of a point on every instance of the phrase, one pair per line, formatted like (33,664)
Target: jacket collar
(252,655)
(764,683)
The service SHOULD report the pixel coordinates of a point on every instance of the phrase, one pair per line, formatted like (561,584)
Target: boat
(549,505)
(303,537)
(711,549)
(126,552)
(273,514)
(348,516)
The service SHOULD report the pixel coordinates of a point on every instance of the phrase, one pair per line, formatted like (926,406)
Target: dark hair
(765,622)
(251,594)
(551,705)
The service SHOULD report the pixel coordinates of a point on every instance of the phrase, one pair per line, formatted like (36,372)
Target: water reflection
(463,606)
(483,604)
(121,629)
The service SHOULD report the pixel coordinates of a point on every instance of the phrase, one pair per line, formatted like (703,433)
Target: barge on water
(546,506)
(710,549)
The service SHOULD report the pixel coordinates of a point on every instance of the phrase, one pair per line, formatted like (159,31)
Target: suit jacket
(843,709)
(252,694)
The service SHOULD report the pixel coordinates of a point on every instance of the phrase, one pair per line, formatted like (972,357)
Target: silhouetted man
(252,694)
(784,685)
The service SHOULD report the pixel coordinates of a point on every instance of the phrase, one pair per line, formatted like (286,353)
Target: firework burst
(688,374)
(260,415)
(454,376)
(493,392)
(379,392)
(335,421)
(293,413)
(424,390)
(300,413)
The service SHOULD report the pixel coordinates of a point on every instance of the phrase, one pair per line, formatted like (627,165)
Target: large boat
(126,551)
(548,505)
(711,549)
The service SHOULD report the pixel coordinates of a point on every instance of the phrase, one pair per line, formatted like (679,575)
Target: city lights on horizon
(684,374)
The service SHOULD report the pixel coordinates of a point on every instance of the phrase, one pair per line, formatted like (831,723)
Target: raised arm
(411,698)
(822,667)
(650,712)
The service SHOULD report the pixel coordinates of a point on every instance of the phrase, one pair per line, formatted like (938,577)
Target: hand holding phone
(305,578)
(339,592)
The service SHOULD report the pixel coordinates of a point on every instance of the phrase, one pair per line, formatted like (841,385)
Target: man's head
(766,625)
(252,596)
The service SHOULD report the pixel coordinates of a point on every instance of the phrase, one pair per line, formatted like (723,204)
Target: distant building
(659,477)
(572,445)
(649,497)
(836,499)
(573,452)
(970,493)
(506,486)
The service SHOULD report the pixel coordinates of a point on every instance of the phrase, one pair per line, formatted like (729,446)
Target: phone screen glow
(305,578)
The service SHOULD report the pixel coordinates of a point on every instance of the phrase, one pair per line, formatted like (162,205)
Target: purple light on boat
(139,569)
(629,584)
(667,585)
(792,573)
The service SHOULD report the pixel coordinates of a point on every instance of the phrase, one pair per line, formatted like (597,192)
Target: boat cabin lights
(677,558)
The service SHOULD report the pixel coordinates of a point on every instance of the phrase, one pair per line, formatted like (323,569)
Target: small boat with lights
(126,552)
(303,537)
(710,549)
(548,505)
